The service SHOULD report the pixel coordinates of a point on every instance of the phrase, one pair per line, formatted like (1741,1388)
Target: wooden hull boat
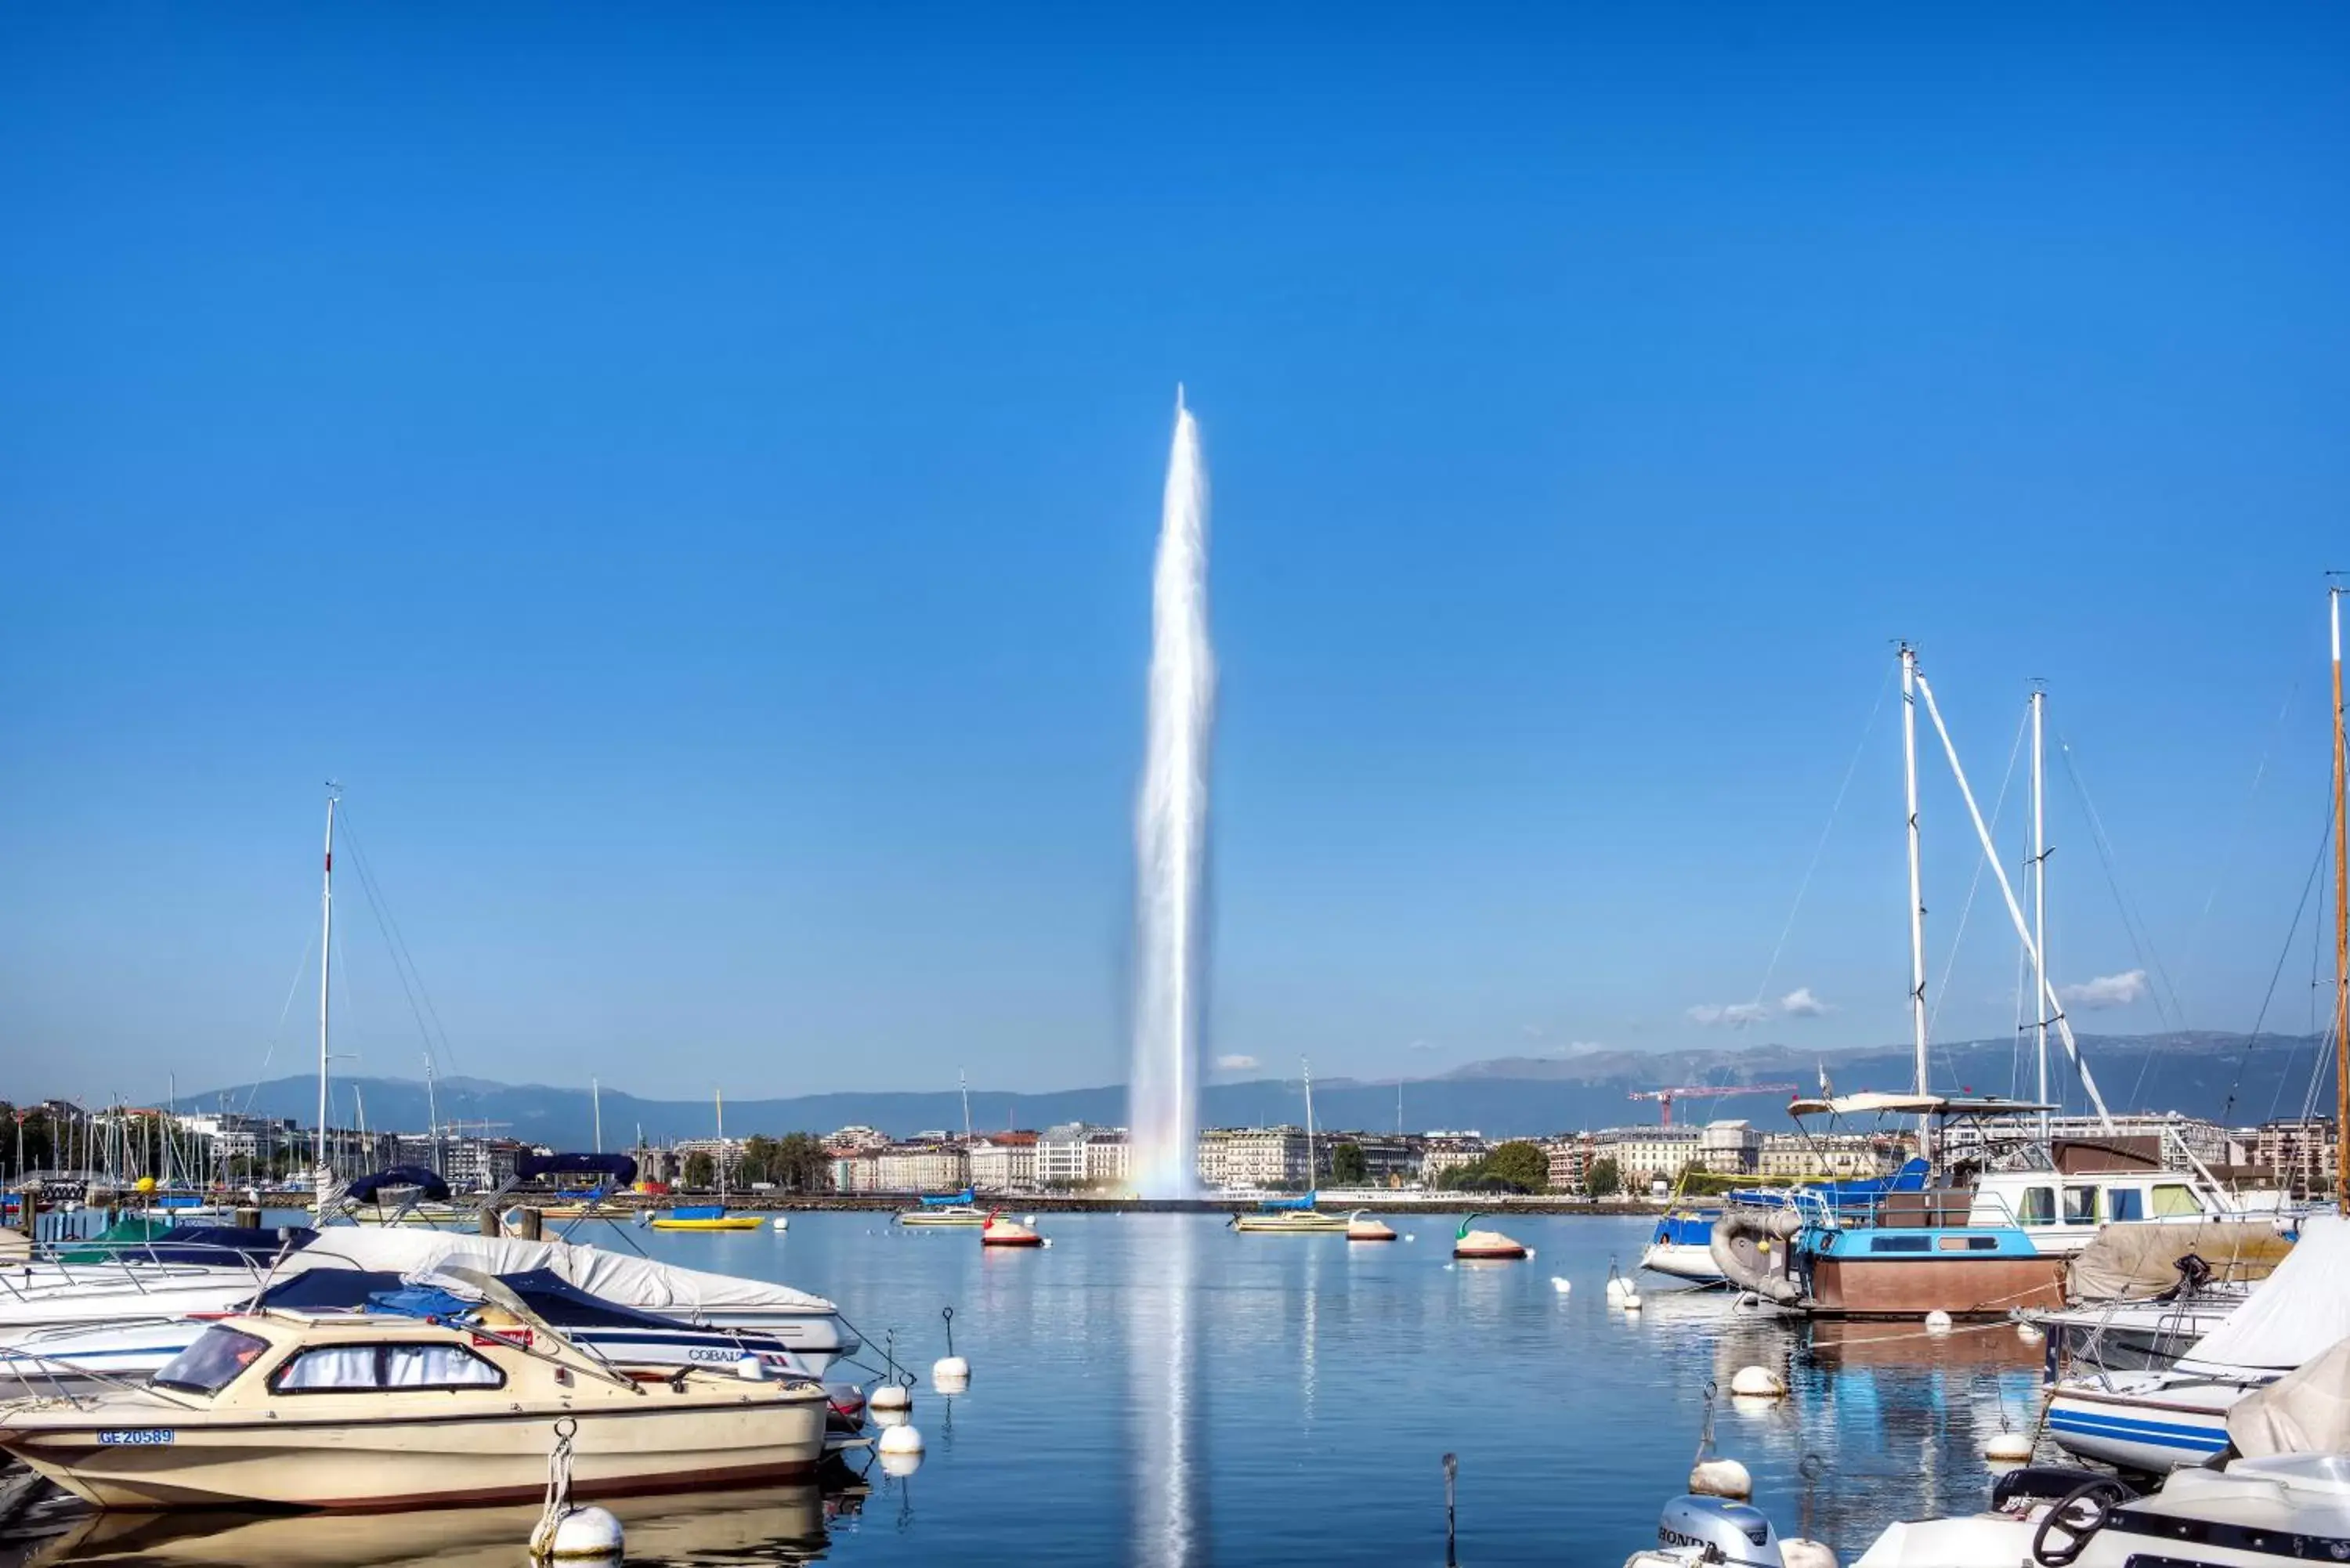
(340,1411)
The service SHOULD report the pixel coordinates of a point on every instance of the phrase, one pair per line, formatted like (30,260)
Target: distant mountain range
(2199,1074)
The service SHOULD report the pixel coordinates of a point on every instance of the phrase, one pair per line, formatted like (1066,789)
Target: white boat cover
(616,1276)
(2131,1261)
(2298,1315)
(2306,1412)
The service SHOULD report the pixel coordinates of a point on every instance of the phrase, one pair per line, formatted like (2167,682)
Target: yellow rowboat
(722,1222)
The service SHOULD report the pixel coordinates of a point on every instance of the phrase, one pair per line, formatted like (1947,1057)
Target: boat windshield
(211,1362)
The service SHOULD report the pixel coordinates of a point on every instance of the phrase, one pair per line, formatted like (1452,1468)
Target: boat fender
(586,1535)
(1721,1477)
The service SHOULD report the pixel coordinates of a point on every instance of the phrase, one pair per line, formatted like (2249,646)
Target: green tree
(758,1161)
(1520,1165)
(1347,1166)
(699,1170)
(1603,1179)
(801,1164)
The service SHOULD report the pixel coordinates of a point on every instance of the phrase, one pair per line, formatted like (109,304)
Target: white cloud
(1533,1031)
(2106,991)
(1733,1015)
(1426,1046)
(1236,1063)
(1800,1003)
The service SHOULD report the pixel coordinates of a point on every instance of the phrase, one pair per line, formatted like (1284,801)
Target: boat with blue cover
(952,1209)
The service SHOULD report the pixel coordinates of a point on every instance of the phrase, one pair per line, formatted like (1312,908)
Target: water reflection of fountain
(1170,838)
(1168,1417)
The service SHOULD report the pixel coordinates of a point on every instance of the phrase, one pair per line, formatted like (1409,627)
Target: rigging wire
(270,1049)
(2236,838)
(1835,810)
(2243,1059)
(2134,924)
(1942,990)
(403,964)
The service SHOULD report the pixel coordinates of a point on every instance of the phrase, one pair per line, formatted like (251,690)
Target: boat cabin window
(1970,1243)
(347,1368)
(1896,1243)
(2038,1207)
(2124,1203)
(2172,1199)
(212,1361)
(2080,1205)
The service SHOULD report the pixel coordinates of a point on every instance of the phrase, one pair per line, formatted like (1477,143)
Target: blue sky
(692,476)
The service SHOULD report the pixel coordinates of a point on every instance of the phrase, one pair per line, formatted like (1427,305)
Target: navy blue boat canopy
(372,1188)
(621,1168)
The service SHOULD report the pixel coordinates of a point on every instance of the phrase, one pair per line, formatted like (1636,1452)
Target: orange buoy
(1001,1231)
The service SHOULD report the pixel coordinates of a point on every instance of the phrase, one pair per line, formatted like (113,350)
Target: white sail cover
(616,1276)
(2298,1315)
(2304,1412)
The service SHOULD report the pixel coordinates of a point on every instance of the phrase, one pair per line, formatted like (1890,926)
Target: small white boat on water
(336,1411)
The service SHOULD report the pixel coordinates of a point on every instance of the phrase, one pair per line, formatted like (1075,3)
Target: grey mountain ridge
(2204,1073)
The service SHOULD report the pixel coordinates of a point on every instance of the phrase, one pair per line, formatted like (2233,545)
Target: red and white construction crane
(1665,1097)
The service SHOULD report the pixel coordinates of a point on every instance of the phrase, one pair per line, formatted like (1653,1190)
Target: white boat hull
(2152,1423)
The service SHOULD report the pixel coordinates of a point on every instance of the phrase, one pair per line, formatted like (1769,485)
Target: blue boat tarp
(419,1301)
(1303,1201)
(620,1169)
(399,1179)
(699,1211)
(962,1200)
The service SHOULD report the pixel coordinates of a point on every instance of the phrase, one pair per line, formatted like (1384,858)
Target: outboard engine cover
(1738,1532)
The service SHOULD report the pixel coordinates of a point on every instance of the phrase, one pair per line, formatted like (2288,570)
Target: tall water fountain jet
(1170,838)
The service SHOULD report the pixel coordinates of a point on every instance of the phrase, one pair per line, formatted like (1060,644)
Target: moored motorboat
(1296,1216)
(177,1271)
(1486,1245)
(337,1411)
(1001,1230)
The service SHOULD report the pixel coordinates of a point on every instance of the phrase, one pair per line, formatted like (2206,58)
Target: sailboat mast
(325,968)
(2040,901)
(432,1115)
(720,1097)
(1305,1069)
(2341,923)
(1916,890)
(964,1084)
(596,1093)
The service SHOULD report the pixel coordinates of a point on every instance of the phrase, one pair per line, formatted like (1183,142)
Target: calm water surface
(1157,1389)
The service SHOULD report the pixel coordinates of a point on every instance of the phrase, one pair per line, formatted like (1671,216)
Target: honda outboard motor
(1720,1529)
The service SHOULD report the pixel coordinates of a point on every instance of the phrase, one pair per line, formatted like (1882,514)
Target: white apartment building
(1443,1151)
(1074,1154)
(1729,1147)
(1106,1157)
(860,1138)
(921,1167)
(1252,1159)
(1003,1162)
(1643,1155)
(1845,1157)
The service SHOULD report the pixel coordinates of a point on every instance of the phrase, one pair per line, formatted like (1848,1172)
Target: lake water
(1160,1390)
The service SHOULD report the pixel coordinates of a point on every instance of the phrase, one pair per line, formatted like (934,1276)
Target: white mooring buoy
(949,1369)
(1721,1477)
(783,1221)
(2009,1449)
(890,1396)
(1560,1284)
(2029,1332)
(586,1535)
(1938,1322)
(899,1440)
(1758,1383)
(1631,1302)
